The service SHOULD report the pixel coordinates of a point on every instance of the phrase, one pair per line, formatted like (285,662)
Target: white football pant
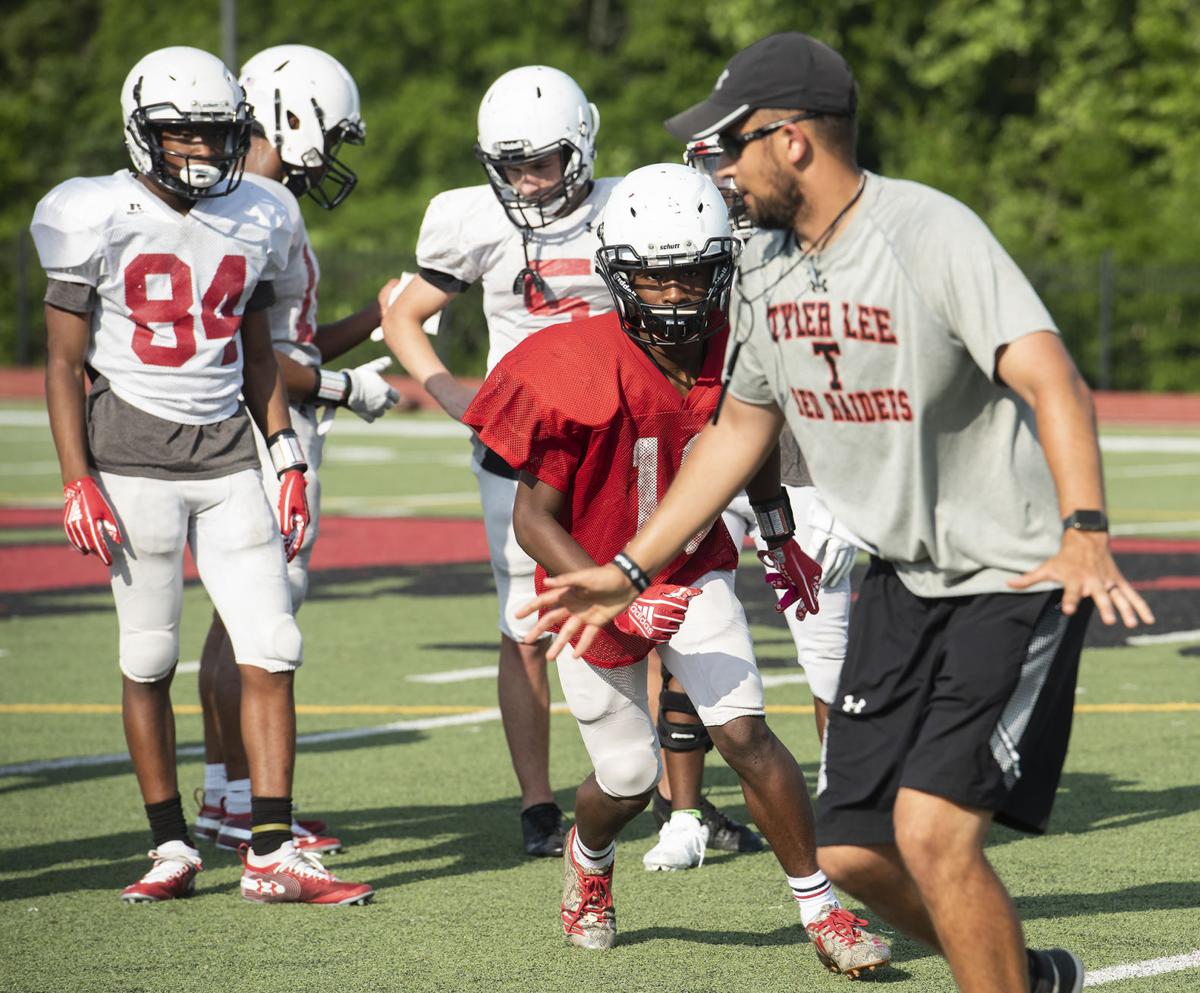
(238,551)
(820,638)
(305,418)
(711,655)
(512,568)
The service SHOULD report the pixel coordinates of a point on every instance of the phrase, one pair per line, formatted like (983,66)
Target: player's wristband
(633,571)
(332,387)
(775,518)
(286,453)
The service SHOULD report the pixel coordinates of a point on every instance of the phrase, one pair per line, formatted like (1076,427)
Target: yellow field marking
(423,710)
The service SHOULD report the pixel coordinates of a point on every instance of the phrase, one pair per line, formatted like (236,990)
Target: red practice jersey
(584,409)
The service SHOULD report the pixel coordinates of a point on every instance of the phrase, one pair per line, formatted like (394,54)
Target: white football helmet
(527,114)
(307,105)
(186,88)
(704,155)
(663,217)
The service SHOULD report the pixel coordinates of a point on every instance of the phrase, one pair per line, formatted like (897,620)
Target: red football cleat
(236,831)
(290,875)
(312,827)
(172,877)
(208,820)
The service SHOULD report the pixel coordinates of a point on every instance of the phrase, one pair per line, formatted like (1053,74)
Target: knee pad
(149,656)
(280,646)
(677,737)
(628,773)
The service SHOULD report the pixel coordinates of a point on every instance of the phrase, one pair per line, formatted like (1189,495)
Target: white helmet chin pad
(184,88)
(307,105)
(527,114)
(667,217)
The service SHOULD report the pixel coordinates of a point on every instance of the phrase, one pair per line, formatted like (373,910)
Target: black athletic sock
(271,820)
(167,823)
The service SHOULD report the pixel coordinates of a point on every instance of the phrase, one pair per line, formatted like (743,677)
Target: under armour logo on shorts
(852,706)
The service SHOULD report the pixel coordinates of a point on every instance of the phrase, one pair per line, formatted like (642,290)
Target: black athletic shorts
(968,698)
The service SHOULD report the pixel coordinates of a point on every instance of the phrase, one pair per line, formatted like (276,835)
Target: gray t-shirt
(793,471)
(128,441)
(882,357)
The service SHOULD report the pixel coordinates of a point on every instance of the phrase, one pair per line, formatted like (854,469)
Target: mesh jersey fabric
(584,409)
(171,288)
(293,315)
(466,234)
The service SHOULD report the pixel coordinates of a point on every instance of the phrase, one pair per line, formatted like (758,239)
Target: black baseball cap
(789,70)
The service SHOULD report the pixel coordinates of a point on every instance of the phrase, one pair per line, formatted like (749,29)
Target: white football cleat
(681,843)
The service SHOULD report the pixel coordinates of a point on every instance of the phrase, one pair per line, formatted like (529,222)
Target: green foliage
(1071,126)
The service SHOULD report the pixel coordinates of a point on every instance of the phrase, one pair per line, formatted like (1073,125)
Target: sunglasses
(733,144)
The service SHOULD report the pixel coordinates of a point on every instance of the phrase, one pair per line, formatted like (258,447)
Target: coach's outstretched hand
(580,601)
(1085,567)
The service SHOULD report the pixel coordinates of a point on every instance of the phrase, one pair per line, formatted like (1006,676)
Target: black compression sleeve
(443,280)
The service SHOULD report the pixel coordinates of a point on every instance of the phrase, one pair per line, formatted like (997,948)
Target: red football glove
(798,575)
(657,613)
(293,511)
(88,519)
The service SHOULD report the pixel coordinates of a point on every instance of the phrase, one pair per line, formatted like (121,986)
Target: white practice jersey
(467,235)
(171,288)
(293,315)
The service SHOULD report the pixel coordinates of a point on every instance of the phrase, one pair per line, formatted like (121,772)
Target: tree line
(1071,126)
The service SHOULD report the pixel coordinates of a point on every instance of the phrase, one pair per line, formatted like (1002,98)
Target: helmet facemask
(546,205)
(196,177)
(704,155)
(663,323)
(323,176)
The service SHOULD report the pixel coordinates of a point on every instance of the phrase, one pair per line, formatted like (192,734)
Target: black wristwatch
(1086,520)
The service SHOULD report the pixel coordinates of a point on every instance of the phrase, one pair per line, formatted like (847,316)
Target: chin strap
(529,274)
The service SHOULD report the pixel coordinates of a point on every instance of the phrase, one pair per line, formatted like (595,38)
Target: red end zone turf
(370,543)
(346,543)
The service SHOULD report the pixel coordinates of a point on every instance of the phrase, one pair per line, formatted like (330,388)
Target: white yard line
(784,680)
(1139,970)
(1172,638)
(385,456)
(404,427)
(28,468)
(1145,443)
(393,427)
(455,675)
(187,667)
(347,734)
(1150,471)
(24,419)
(1155,527)
(419,724)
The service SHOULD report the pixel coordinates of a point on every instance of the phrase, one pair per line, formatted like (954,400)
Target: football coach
(943,422)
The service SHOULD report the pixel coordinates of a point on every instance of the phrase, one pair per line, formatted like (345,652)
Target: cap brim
(705,118)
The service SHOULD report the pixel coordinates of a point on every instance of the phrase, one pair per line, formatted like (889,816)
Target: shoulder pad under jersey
(70,221)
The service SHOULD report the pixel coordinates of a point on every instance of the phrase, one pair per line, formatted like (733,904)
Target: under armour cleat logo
(852,706)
